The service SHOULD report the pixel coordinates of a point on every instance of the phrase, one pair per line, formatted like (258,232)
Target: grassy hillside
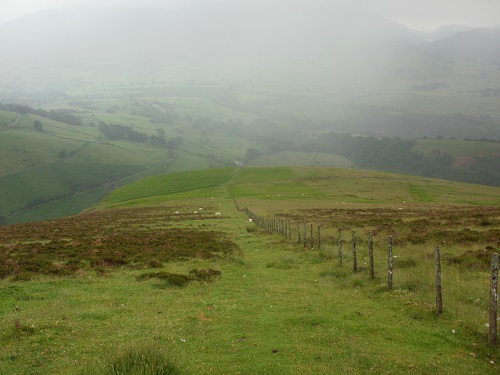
(63,169)
(330,186)
(47,173)
(172,274)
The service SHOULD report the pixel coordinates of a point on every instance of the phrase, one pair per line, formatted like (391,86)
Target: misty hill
(476,44)
(445,32)
(202,35)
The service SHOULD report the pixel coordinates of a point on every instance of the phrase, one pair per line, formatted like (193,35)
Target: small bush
(173,279)
(23,276)
(472,259)
(204,275)
(177,279)
(251,229)
(155,264)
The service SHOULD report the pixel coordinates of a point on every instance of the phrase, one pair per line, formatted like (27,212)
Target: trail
(13,124)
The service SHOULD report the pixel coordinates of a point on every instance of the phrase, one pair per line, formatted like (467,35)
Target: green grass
(275,307)
(298,159)
(170,184)
(6,119)
(457,148)
(55,181)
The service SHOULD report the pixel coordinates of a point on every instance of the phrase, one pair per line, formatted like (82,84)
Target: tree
(37,124)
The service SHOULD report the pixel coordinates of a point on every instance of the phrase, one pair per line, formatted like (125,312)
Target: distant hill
(483,44)
(195,35)
(445,32)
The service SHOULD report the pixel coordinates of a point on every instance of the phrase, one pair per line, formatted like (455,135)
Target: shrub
(173,279)
(203,275)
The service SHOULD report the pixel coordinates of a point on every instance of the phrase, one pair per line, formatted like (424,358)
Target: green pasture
(339,186)
(7,119)
(457,148)
(170,184)
(301,159)
(278,307)
(58,208)
(304,186)
(55,181)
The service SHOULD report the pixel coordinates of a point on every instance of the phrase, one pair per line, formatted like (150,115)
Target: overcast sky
(417,14)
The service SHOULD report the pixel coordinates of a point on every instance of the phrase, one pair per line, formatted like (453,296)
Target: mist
(168,86)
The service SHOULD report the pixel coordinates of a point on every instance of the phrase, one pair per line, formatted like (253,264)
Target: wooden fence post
(312,237)
(340,247)
(439,296)
(370,255)
(319,238)
(354,259)
(298,232)
(389,265)
(492,334)
(305,235)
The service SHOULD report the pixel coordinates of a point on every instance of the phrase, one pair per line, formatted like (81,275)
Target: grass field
(457,148)
(97,290)
(47,174)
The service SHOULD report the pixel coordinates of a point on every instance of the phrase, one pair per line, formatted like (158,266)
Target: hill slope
(191,282)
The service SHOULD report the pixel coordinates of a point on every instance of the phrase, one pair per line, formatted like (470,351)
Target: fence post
(439,296)
(370,255)
(305,235)
(312,237)
(354,260)
(389,265)
(319,238)
(492,334)
(298,232)
(340,247)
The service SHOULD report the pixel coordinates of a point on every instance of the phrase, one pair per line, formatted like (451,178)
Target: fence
(285,228)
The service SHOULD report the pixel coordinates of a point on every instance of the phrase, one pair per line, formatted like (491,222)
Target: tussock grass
(136,360)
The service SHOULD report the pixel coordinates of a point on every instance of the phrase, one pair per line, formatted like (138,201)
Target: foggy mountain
(200,35)
(482,44)
(447,31)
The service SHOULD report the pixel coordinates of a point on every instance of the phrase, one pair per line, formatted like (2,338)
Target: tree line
(63,115)
(127,133)
(396,155)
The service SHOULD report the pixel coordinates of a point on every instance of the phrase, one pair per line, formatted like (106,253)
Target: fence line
(284,228)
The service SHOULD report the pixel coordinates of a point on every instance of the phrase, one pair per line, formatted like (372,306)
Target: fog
(341,53)
(201,83)
(421,15)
